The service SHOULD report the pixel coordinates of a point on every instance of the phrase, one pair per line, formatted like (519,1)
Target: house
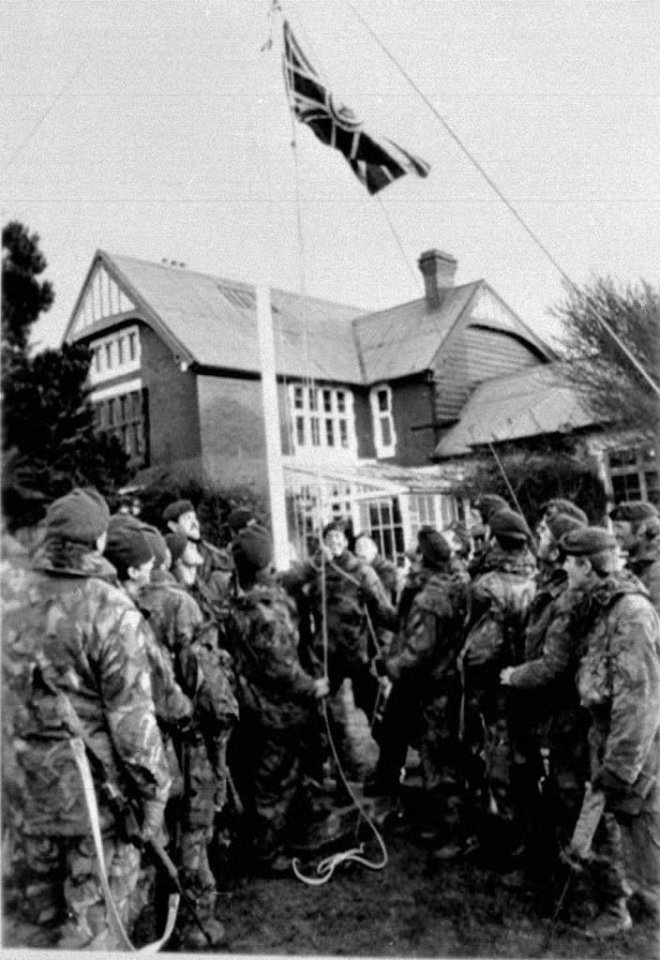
(539,401)
(364,397)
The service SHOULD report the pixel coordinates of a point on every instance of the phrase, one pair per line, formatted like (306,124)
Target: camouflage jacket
(354,596)
(214,586)
(498,607)
(68,629)
(619,680)
(646,566)
(432,635)
(557,631)
(201,667)
(271,680)
(550,584)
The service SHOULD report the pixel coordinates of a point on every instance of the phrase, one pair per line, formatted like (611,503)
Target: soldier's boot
(610,922)
(192,938)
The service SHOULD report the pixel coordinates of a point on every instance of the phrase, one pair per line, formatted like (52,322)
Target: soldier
(499,601)
(388,572)
(204,671)
(424,665)
(637,531)
(550,755)
(619,684)
(74,647)
(277,700)
(129,549)
(213,581)
(349,603)
(487,505)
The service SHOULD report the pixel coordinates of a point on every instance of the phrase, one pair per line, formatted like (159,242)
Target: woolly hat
(567,507)
(633,511)
(507,523)
(252,548)
(561,523)
(489,504)
(127,545)
(81,516)
(585,541)
(240,518)
(176,510)
(176,543)
(434,548)
(157,543)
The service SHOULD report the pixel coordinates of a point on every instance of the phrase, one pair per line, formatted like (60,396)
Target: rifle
(122,809)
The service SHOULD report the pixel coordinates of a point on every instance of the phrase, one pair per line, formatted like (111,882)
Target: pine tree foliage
(607,381)
(48,439)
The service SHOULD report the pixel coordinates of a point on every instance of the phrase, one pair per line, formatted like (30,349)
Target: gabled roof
(514,406)
(213,321)
(404,339)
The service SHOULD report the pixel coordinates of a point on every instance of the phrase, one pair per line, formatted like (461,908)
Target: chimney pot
(438,270)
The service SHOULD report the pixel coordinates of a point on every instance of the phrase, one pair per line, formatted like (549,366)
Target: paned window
(383,421)
(114,355)
(633,474)
(124,417)
(381,518)
(323,418)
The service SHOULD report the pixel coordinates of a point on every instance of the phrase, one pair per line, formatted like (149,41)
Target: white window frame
(329,408)
(99,370)
(382,449)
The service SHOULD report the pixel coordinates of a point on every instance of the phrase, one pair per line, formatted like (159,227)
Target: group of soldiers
(153,681)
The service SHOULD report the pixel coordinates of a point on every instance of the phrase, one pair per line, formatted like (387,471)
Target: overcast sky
(158,129)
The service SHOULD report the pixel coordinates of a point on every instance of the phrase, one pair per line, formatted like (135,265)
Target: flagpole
(274,468)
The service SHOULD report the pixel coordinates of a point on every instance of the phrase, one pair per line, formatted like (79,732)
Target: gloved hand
(153,819)
(321,687)
(616,790)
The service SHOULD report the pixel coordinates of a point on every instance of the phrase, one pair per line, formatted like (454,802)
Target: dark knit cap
(157,543)
(240,518)
(569,509)
(633,511)
(252,548)
(81,516)
(562,523)
(176,510)
(127,545)
(176,543)
(434,548)
(489,504)
(508,523)
(585,541)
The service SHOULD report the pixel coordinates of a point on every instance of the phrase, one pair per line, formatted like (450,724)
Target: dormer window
(383,421)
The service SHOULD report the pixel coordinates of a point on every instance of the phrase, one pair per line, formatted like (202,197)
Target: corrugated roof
(520,405)
(405,339)
(215,319)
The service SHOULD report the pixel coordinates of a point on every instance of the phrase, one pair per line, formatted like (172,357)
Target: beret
(507,523)
(434,548)
(633,510)
(253,548)
(176,543)
(490,503)
(239,518)
(177,509)
(127,545)
(81,516)
(586,541)
(157,543)
(566,507)
(561,523)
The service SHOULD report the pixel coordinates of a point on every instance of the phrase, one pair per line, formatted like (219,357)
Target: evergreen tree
(48,438)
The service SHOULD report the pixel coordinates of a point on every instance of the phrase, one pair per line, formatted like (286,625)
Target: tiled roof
(405,339)
(520,405)
(215,320)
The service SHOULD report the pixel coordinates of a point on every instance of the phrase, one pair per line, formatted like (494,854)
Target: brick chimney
(438,270)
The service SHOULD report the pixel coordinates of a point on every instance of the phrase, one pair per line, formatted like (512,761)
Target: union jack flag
(376,161)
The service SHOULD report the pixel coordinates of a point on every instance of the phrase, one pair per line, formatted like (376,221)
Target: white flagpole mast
(275,471)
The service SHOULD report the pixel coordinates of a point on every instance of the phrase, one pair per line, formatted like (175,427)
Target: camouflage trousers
(57,899)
